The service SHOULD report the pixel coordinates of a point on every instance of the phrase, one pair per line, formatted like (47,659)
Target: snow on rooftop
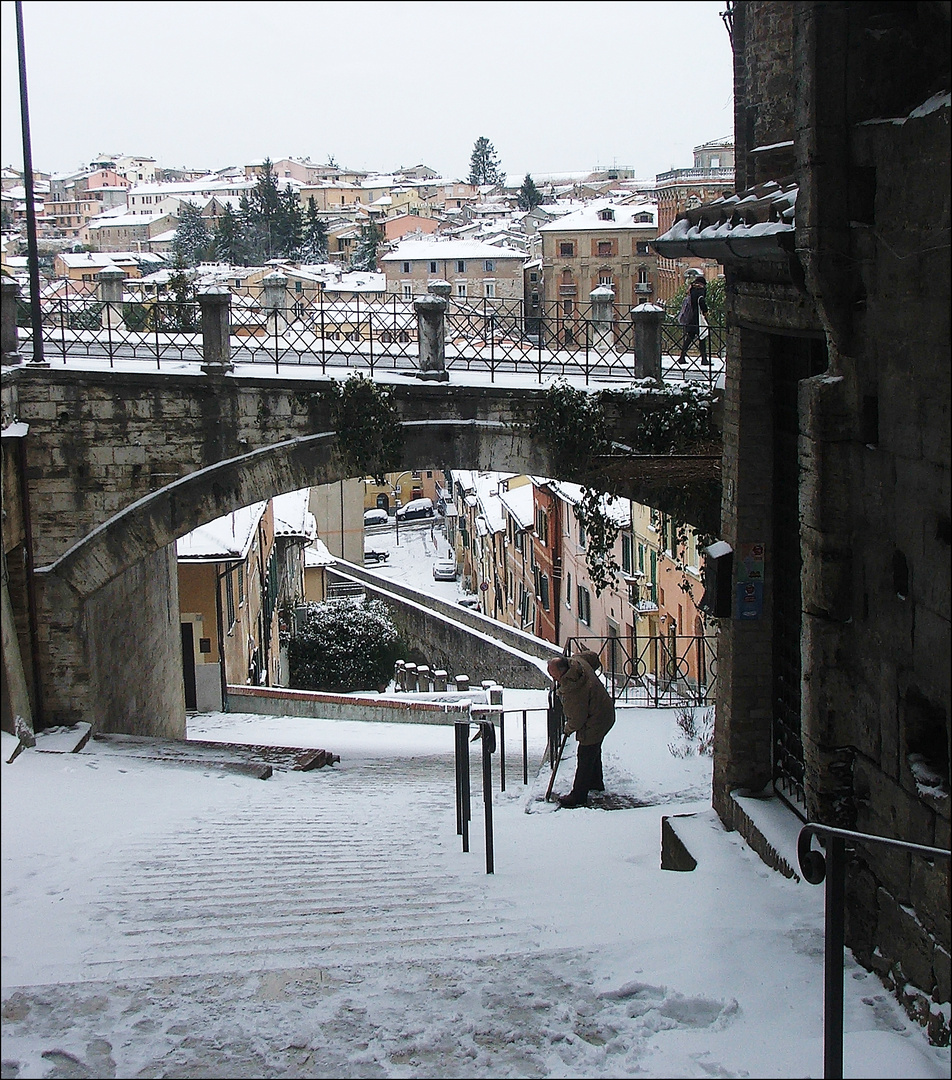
(227,537)
(592,216)
(409,250)
(519,502)
(291,515)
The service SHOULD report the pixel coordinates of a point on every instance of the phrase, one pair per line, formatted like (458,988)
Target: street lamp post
(395,487)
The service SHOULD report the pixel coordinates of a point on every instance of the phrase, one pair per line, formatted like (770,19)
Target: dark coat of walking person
(590,714)
(695,305)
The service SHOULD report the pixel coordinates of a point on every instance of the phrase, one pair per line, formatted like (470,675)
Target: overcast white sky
(555,87)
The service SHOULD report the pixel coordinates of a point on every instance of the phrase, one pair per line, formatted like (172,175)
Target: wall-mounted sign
(750,599)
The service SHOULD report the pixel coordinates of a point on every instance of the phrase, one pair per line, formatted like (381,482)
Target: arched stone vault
(120,464)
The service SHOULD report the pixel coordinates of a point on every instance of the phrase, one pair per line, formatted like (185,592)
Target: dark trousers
(588,771)
(691,334)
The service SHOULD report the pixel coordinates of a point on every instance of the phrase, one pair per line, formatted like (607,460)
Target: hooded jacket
(588,706)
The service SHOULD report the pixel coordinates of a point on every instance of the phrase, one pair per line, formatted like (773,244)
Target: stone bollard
(462,683)
(431,333)
(399,675)
(215,305)
(603,312)
(439,680)
(411,673)
(423,679)
(646,320)
(274,301)
(111,281)
(8,336)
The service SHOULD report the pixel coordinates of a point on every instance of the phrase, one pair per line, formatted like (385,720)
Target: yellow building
(606,243)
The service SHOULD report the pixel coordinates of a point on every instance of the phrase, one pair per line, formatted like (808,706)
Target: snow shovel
(555,768)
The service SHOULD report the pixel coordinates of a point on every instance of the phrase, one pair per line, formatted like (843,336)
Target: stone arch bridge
(104,469)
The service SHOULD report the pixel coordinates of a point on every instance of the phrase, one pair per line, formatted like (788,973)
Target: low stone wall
(274,701)
(458,641)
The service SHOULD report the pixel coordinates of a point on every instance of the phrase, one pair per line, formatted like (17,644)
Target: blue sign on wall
(750,599)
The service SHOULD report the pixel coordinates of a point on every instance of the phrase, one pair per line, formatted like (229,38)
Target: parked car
(444,570)
(416,508)
(375,517)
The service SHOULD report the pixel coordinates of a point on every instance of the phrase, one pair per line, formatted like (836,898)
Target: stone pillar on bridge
(431,331)
(111,281)
(8,323)
(215,305)
(646,322)
(274,301)
(603,312)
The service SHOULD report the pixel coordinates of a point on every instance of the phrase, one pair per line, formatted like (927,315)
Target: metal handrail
(813,865)
(525,744)
(486,733)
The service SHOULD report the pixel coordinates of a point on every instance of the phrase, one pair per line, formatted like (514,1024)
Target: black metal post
(464,809)
(834,925)
(33,258)
(831,868)
(525,749)
(502,751)
(488,740)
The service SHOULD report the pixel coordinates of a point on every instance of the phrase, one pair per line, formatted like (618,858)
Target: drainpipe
(220,574)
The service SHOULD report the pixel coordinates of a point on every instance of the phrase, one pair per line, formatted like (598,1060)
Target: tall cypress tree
(230,244)
(365,257)
(314,245)
(192,238)
(529,195)
(484,164)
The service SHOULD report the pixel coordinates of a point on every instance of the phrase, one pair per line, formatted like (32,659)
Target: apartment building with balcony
(605,243)
(474,269)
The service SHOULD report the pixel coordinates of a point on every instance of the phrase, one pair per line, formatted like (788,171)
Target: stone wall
(460,642)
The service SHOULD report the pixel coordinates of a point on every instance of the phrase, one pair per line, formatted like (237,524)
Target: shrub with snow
(345,645)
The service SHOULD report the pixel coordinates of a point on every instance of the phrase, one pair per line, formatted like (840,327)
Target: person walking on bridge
(693,317)
(590,713)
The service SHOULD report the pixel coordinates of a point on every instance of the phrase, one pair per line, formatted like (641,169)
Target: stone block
(674,853)
(900,933)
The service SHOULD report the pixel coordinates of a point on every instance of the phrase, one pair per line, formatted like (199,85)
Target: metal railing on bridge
(661,672)
(321,330)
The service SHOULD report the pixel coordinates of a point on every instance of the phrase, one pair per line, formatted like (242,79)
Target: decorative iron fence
(320,329)
(660,672)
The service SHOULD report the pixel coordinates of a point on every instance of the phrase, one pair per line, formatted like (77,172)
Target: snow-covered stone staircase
(335,873)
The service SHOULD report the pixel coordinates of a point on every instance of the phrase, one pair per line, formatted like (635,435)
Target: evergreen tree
(484,164)
(314,243)
(230,246)
(365,257)
(289,225)
(529,195)
(192,238)
(254,233)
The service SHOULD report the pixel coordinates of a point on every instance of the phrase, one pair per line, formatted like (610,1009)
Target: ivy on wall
(574,427)
(369,435)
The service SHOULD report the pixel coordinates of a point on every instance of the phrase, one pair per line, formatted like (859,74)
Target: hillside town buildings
(127,203)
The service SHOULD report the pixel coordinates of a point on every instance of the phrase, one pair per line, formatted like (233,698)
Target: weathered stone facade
(837,458)
(118,465)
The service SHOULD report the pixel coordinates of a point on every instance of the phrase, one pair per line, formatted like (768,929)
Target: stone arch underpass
(115,466)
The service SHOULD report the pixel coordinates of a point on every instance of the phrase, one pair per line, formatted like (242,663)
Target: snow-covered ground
(412,556)
(162,920)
